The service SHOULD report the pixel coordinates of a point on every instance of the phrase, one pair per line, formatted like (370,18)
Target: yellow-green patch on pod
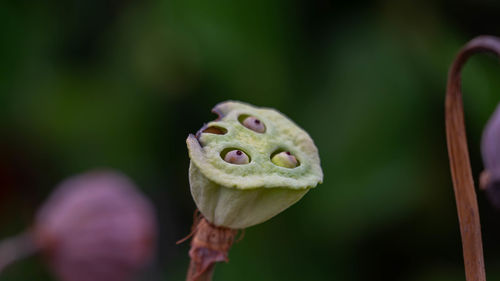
(233,180)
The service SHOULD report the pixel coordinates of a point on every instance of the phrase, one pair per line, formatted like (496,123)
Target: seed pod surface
(96,226)
(239,196)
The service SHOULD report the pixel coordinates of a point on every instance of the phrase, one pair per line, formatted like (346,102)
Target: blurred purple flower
(96,226)
(490,150)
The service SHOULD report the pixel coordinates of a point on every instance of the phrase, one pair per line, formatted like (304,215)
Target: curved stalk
(16,248)
(463,184)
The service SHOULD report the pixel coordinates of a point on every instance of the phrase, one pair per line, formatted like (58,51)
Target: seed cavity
(252,123)
(284,159)
(215,130)
(235,156)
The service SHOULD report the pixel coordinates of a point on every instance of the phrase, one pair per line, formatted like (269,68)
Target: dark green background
(110,83)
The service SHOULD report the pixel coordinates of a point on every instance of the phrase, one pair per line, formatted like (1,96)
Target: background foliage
(92,83)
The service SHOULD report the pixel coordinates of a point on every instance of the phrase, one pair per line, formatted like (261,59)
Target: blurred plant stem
(463,184)
(16,248)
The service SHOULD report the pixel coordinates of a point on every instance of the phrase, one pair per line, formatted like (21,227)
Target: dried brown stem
(210,244)
(463,184)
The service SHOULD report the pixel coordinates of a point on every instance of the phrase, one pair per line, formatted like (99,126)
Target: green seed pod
(239,196)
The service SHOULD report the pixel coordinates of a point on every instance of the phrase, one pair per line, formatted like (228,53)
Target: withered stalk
(210,244)
(463,184)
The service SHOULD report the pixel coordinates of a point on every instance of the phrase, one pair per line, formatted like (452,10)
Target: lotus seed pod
(285,159)
(239,196)
(96,226)
(490,150)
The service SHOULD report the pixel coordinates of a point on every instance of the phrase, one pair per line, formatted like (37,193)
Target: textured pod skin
(239,196)
(96,227)
(490,150)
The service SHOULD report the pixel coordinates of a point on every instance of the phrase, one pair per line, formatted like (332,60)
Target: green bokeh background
(121,83)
